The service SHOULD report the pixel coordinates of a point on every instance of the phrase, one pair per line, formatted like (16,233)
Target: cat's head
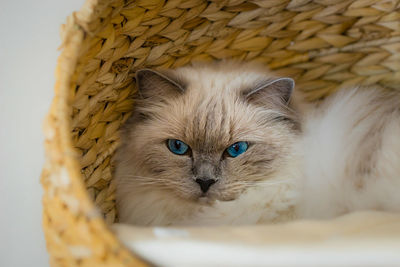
(207,132)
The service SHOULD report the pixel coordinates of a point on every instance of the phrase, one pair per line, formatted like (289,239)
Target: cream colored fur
(343,157)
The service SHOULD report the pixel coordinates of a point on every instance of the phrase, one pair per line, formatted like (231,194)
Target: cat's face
(206,134)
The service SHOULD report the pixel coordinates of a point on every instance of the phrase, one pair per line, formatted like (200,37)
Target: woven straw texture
(322,44)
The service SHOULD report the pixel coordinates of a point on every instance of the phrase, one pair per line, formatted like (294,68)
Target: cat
(229,143)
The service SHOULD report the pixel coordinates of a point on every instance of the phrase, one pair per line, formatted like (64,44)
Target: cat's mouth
(205,200)
(216,192)
(208,199)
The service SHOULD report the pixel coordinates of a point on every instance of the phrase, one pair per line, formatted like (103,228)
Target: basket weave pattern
(322,44)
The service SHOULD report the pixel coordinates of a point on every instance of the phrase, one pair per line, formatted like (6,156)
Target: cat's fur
(319,162)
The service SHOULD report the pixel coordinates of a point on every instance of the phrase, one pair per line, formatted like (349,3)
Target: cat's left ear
(158,84)
(276,91)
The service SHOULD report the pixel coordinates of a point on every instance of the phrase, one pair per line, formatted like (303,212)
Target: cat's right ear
(276,91)
(275,94)
(157,84)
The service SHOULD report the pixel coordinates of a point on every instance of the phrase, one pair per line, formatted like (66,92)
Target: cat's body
(351,154)
(341,156)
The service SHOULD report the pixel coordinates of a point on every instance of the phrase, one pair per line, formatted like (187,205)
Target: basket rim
(57,125)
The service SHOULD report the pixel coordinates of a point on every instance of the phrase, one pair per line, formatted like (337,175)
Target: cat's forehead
(210,125)
(214,121)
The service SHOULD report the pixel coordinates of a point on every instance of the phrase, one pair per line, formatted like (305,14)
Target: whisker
(254,184)
(130,180)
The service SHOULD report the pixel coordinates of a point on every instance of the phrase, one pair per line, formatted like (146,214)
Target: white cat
(225,143)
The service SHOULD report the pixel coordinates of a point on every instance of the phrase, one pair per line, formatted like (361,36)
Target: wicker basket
(322,44)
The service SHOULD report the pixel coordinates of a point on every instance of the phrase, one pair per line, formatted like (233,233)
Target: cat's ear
(276,91)
(153,83)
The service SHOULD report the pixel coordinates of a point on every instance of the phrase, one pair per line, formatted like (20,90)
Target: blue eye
(177,146)
(237,148)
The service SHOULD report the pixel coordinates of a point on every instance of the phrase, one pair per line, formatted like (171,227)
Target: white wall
(29,38)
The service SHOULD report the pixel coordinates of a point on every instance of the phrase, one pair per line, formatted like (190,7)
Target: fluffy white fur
(346,158)
(356,127)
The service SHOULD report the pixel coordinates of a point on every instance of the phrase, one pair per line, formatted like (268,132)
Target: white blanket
(358,239)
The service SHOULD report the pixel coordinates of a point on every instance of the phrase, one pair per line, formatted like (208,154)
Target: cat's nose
(205,183)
